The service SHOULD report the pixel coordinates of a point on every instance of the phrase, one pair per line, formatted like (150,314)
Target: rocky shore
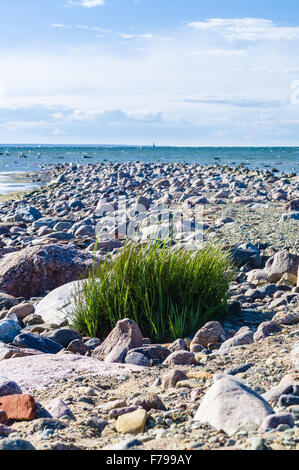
(233,385)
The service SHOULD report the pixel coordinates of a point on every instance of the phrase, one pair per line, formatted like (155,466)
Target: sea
(17,161)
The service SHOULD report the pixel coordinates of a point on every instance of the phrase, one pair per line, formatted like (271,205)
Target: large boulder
(125,335)
(230,404)
(57,307)
(35,270)
(281,263)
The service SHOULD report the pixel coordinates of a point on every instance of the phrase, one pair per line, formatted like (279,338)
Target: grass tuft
(170,292)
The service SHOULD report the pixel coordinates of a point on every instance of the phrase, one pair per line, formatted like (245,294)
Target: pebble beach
(60,390)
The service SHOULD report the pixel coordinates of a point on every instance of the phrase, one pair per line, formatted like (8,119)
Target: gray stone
(273,421)
(57,409)
(9,329)
(243,336)
(15,444)
(138,359)
(63,336)
(93,343)
(34,341)
(27,214)
(8,387)
(230,404)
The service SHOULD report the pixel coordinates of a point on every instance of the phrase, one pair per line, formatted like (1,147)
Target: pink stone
(35,372)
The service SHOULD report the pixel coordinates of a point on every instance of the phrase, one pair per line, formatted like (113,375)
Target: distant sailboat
(154,145)
(21,155)
(7,152)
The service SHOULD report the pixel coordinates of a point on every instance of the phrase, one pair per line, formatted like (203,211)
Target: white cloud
(247,29)
(220,53)
(58,25)
(87,3)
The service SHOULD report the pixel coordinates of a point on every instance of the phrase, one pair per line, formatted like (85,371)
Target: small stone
(22,310)
(256,443)
(96,423)
(78,347)
(138,359)
(40,343)
(57,409)
(209,333)
(170,380)
(8,387)
(275,421)
(265,329)
(180,358)
(132,423)
(149,401)
(18,407)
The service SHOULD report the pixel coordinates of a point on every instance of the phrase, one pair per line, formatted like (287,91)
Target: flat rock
(36,372)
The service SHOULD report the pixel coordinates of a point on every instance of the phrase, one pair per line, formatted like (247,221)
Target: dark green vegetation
(169,292)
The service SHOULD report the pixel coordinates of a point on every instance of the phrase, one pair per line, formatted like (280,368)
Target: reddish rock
(170,380)
(209,333)
(265,329)
(126,334)
(281,263)
(78,347)
(22,310)
(33,271)
(181,358)
(19,407)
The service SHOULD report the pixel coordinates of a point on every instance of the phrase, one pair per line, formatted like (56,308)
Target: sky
(173,72)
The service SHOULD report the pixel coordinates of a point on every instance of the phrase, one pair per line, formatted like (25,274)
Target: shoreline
(47,238)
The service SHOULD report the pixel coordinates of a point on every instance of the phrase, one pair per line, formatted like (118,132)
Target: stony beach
(230,385)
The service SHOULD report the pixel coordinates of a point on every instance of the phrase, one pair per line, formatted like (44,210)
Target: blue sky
(177,72)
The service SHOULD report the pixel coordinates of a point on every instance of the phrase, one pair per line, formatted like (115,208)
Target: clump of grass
(170,292)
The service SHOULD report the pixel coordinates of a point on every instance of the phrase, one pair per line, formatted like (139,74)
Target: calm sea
(37,158)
